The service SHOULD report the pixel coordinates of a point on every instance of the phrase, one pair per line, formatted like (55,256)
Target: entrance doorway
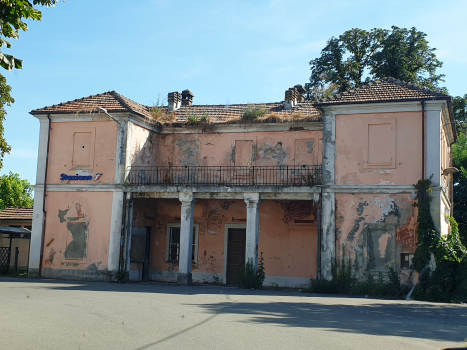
(236,244)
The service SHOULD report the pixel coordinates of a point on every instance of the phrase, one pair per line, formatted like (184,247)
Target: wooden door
(235,253)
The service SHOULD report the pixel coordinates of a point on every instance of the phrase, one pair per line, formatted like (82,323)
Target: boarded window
(138,244)
(381,144)
(83,149)
(244,153)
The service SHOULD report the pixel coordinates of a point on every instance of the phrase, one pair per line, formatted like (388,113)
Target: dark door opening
(235,253)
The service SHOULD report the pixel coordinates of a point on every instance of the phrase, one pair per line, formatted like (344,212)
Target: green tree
(459,152)
(359,56)
(13,14)
(459,106)
(15,192)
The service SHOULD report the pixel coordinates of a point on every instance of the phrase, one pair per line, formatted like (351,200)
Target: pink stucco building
(190,192)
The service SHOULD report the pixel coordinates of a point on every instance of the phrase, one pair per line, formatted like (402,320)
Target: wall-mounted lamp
(450,170)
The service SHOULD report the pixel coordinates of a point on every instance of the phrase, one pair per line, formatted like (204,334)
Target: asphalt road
(50,314)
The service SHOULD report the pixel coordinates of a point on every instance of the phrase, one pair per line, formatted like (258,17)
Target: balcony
(282,175)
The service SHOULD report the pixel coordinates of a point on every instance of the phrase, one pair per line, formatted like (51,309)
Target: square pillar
(252,227)
(328,235)
(184,276)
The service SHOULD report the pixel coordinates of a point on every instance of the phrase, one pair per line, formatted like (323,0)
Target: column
(128,231)
(35,251)
(328,203)
(184,276)
(252,227)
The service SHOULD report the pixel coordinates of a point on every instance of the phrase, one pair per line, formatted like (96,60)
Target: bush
(447,282)
(343,281)
(253,113)
(249,278)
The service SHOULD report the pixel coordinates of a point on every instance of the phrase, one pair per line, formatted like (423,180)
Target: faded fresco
(374,229)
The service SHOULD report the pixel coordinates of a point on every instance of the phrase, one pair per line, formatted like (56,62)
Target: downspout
(44,212)
(423,139)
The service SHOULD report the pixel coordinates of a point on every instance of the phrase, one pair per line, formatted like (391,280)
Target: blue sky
(223,51)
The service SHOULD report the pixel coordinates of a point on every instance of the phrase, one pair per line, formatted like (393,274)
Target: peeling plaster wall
(142,146)
(102,148)
(352,151)
(288,235)
(218,149)
(374,229)
(89,214)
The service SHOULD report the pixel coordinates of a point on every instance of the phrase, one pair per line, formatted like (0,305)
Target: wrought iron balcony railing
(282,175)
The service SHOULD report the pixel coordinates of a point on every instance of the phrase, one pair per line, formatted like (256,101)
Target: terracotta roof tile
(388,89)
(15,213)
(112,101)
(382,90)
(227,113)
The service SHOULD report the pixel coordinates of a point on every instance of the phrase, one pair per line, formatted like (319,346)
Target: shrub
(249,278)
(254,113)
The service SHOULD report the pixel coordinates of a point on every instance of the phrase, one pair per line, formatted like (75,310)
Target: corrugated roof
(15,213)
(388,89)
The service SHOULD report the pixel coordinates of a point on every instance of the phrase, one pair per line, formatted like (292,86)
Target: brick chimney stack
(290,98)
(174,99)
(187,98)
(301,93)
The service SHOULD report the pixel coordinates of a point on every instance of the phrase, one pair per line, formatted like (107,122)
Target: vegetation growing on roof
(253,113)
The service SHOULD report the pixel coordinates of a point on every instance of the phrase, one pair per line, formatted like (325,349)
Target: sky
(225,52)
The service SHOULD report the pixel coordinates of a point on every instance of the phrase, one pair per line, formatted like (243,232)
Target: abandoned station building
(190,192)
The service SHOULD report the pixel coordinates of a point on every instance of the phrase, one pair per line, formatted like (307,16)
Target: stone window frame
(195,243)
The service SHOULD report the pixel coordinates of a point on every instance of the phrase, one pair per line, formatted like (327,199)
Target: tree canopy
(15,192)
(459,151)
(13,14)
(359,56)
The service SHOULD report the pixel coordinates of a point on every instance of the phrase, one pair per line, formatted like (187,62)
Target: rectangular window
(173,243)
(406,260)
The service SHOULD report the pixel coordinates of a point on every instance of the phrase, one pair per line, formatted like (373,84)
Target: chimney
(301,93)
(174,99)
(290,98)
(187,98)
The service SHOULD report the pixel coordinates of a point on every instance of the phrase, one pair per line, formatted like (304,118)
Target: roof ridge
(120,98)
(413,86)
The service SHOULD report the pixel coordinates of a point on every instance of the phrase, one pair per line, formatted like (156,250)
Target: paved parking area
(51,314)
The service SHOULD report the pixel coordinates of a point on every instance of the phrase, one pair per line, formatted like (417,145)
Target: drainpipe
(423,139)
(44,212)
